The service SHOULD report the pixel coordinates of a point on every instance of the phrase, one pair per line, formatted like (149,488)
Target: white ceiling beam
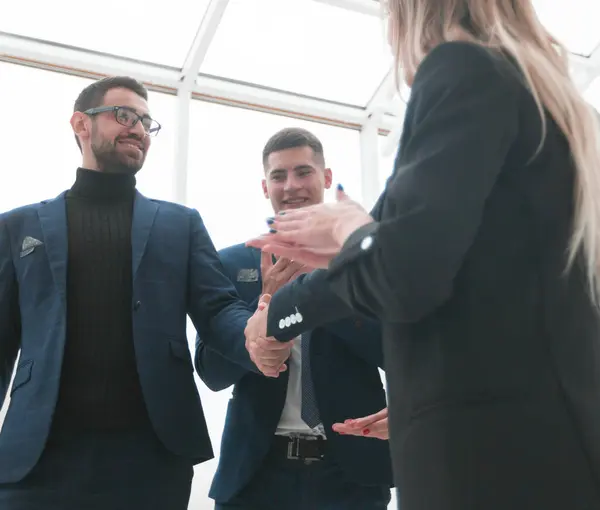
(84,63)
(384,94)
(278,102)
(93,65)
(191,66)
(206,33)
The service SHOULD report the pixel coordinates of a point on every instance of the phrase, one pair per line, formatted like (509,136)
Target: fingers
(374,425)
(340,194)
(288,274)
(377,430)
(285,228)
(283,249)
(266,345)
(368,420)
(259,242)
(266,262)
(269,355)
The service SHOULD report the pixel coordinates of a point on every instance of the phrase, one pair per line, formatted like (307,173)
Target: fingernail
(281,213)
(272,231)
(366,432)
(340,187)
(270,221)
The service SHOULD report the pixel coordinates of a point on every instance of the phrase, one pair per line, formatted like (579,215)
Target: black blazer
(492,350)
(346,381)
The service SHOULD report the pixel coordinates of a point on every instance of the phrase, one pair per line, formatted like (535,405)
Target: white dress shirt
(291,422)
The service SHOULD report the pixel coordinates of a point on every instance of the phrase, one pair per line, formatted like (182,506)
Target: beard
(111,160)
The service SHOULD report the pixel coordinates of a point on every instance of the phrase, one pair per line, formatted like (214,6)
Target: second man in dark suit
(278,449)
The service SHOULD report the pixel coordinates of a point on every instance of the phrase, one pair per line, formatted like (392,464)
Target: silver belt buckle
(293,451)
(293,448)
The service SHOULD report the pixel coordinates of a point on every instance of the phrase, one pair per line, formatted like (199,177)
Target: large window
(302,46)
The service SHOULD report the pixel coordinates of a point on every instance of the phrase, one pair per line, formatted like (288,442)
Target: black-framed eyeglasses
(128,117)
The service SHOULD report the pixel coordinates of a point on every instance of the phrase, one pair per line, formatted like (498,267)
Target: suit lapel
(53,220)
(144,213)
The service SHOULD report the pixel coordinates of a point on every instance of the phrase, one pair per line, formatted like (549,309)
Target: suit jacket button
(137,305)
(366,243)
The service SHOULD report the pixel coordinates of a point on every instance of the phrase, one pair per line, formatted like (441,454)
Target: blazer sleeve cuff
(357,244)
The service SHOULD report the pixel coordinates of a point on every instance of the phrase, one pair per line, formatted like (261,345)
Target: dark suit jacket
(492,351)
(176,270)
(344,359)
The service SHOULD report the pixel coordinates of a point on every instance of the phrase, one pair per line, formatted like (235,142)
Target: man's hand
(267,354)
(276,275)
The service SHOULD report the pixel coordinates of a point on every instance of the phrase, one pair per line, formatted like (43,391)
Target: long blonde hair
(417,26)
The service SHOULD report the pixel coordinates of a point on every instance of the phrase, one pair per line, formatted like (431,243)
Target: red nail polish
(366,432)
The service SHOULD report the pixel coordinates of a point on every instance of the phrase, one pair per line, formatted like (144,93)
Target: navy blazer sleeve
(461,122)
(10,320)
(218,313)
(216,371)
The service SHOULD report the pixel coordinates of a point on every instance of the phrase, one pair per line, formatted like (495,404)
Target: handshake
(268,354)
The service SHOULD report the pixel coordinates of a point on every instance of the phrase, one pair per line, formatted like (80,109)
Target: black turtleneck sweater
(100,386)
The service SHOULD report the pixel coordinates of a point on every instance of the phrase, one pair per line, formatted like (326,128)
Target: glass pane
(572,22)
(301,46)
(225,166)
(152,31)
(592,94)
(40,157)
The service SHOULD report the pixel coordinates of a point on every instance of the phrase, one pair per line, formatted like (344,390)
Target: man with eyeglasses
(95,286)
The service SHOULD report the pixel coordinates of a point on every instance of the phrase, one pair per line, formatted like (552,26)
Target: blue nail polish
(340,187)
(272,231)
(270,221)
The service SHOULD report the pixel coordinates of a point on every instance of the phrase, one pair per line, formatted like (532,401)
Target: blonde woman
(481,260)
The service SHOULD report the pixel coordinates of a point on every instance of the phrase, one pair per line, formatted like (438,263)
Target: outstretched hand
(374,425)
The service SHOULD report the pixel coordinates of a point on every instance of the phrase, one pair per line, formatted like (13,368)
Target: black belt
(299,448)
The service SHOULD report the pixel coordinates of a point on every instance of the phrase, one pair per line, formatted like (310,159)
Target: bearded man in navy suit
(95,286)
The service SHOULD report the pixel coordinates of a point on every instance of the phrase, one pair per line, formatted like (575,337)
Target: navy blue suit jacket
(176,271)
(345,357)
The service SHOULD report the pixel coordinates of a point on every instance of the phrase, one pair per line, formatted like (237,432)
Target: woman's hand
(315,234)
(375,425)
